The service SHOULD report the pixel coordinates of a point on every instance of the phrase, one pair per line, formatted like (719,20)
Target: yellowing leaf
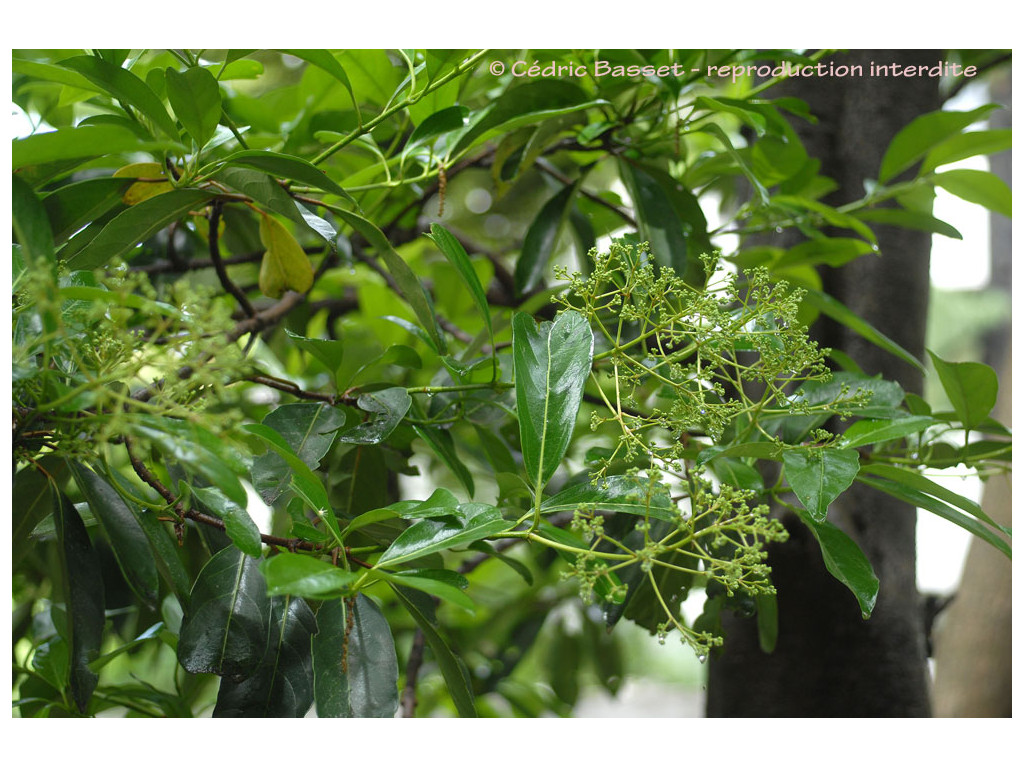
(152,181)
(285,265)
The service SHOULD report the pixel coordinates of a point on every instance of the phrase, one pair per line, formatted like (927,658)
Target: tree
(306,276)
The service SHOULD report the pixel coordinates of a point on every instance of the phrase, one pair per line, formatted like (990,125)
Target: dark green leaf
(387,406)
(456,254)
(309,429)
(552,362)
(126,87)
(971,387)
(226,627)
(628,495)
(922,134)
(330,352)
(454,670)
(355,666)
(286,167)
(444,121)
(871,431)
(326,61)
(767,621)
(670,219)
(282,685)
(73,206)
(136,224)
(83,597)
(32,492)
(911,220)
(476,521)
(845,560)
(307,485)
(440,441)
(979,187)
(541,238)
(818,475)
(127,538)
(31,224)
(195,98)
(288,573)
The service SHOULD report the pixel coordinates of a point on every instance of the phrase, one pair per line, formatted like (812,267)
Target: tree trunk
(830,662)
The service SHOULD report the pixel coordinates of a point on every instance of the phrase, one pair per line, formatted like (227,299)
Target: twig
(218,264)
(412,673)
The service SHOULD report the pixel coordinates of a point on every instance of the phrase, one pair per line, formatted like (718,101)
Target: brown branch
(412,673)
(218,264)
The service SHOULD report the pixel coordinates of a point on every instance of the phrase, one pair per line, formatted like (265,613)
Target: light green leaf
(195,98)
(285,265)
(31,224)
(922,134)
(82,142)
(288,573)
(552,362)
(541,238)
(445,584)
(979,187)
(818,475)
(456,254)
(972,388)
(620,494)
(475,521)
(871,431)
(964,145)
(237,524)
(911,220)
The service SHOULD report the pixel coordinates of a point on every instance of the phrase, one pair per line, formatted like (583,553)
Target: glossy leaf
(282,685)
(540,241)
(818,475)
(83,597)
(969,144)
(922,134)
(872,431)
(285,265)
(289,573)
(309,429)
(66,144)
(670,219)
(31,224)
(917,498)
(445,584)
(845,561)
(126,87)
(73,206)
(307,485)
(918,220)
(226,627)
(239,527)
(387,408)
(475,521)
(286,167)
(454,670)
(195,98)
(628,495)
(33,488)
(552,362)
(979,187)
(330,352)
(355,666)
(972,389)
(442,444)
(127,538)
(136,224)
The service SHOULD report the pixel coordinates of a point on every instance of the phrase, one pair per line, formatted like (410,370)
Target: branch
(218,264)
(412,673)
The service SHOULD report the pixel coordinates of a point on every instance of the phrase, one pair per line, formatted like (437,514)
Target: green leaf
(761,450)
(125,87)
(833,251)
(31,224)
(972,389)
(475,521)
(33,488)
(326,61)
(441,122)
(309,429)
(307,485)
(288,573)
(921,483)
(923,134)
(841,314)
(355,666)
(441,443)
(225,629)
(979,187)
(239,527)
(83,597)
(387,406)
(619,493)
(964,145)
(286,167)
(67,144)
(899,217)
(552,362)
(127,538)
(282,685)
(137,224)
(670,220)
(917,498)
(195,98)
(456,254)
(410,286)
(767,621)
(445,584)
(845,561)
(541,238)
(871,431)
(73,206)
(454,670)
(818,475)
(330,352)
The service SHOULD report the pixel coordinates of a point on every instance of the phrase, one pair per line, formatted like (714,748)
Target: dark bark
(829,661)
